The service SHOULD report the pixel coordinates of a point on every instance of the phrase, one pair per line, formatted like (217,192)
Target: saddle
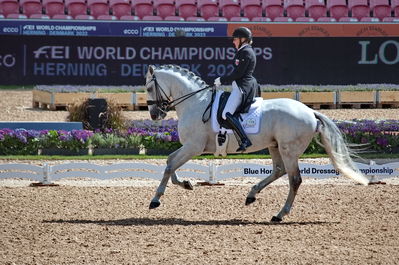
(250,120)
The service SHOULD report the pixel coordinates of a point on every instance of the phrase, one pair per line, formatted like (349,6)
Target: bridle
(165,105)
(162,104)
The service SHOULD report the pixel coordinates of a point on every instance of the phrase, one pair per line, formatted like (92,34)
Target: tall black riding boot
(242,138)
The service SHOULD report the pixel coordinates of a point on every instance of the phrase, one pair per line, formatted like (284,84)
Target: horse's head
(168,86)
(157,99)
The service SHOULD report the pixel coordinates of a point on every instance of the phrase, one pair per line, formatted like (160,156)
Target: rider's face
(236,42)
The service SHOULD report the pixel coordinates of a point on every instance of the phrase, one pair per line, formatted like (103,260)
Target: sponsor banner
(193,29)
(320,30)
(174,29)
(98,28)
(324,171)
(30,60)
(53,28)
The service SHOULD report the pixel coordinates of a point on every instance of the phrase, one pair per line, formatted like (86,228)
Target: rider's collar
(242,46)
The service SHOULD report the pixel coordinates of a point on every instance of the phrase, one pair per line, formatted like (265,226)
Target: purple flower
(64,137)
(81,135)
(364,140)
(21,134)
(382,141)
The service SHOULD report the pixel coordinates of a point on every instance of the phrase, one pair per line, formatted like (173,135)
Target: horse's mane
(184,72)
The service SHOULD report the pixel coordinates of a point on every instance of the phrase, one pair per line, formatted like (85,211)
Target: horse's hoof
(187,185)
(276,219)
(249,200)
(154,205)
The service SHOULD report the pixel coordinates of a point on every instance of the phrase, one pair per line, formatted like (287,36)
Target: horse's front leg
(184,184)
(175,179)
(175,160)
(155,202)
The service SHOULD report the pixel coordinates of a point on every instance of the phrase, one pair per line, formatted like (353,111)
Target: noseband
(167,104)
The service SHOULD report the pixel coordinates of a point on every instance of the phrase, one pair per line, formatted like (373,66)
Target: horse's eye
(149,86)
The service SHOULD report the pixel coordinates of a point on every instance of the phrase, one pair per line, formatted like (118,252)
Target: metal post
(46,175)
(212,171)
(134,100)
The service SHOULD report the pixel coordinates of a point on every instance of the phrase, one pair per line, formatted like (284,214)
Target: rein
(167,104)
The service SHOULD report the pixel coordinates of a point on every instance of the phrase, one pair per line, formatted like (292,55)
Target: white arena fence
(212,173)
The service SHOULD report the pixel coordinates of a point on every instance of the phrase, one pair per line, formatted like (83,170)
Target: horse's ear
(151,69)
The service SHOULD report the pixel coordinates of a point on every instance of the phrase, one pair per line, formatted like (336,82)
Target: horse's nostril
(153,117)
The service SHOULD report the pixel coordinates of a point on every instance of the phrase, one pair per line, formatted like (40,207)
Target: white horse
(287,128)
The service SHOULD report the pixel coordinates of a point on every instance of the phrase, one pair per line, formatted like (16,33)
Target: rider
(244,85)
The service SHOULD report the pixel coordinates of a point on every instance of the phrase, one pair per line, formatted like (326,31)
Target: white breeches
(234,100)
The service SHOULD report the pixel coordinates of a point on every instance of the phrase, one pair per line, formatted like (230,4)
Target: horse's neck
(193,105)
(175,83)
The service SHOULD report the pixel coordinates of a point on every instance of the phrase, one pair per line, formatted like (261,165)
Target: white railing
(211,173)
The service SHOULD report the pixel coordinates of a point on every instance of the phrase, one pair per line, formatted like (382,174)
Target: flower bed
(20,142)
(29,142)
(157,137)
(378,136)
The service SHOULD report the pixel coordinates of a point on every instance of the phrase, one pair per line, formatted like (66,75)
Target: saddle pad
(250,122)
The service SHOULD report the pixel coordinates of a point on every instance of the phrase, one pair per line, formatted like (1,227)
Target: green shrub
(113,140)
(160,141)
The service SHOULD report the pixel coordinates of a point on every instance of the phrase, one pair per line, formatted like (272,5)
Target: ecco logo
(52,52)
(10,29)
(130,31)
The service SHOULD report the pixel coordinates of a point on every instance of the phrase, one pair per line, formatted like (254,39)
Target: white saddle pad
(251,120)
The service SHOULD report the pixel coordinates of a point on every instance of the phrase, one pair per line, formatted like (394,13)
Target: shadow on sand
(179,221)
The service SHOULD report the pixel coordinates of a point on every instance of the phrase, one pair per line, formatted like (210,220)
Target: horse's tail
(337,149)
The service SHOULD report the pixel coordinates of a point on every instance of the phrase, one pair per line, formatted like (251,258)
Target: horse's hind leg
(278,171)
(295,180)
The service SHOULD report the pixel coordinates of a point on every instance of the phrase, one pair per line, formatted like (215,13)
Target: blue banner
(117,28)
(31,60)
